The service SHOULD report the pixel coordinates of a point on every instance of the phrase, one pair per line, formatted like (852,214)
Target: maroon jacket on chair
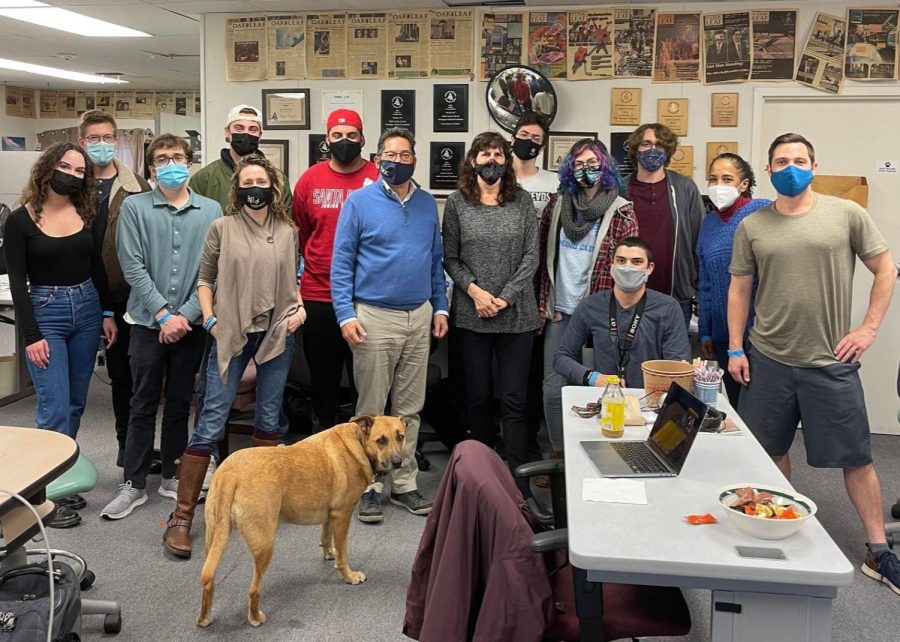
(474,577)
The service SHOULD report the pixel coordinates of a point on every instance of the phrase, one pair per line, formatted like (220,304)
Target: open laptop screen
(676,426)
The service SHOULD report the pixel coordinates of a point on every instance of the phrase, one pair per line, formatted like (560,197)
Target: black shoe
(64,517)
(75,502)
(895,511)
(155,467)
(120,457)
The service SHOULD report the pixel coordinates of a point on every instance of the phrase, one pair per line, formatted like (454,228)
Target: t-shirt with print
(573,269)
(318,197)
(541,186)
(805,267)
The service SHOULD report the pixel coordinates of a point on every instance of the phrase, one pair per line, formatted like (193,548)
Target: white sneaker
(168,488)
(210,471)
(125,501)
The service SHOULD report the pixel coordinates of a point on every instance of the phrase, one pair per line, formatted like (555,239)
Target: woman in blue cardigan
(731,183)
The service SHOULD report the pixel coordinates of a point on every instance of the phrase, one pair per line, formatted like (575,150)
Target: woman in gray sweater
(490,252)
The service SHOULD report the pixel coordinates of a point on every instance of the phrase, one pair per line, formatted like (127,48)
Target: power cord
(40,524)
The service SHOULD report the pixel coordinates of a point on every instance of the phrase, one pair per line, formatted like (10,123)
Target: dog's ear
(405,421)
(365,422)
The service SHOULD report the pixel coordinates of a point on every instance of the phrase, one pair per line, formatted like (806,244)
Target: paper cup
(659,375)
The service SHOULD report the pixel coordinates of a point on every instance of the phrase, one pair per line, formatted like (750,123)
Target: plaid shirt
(623,224)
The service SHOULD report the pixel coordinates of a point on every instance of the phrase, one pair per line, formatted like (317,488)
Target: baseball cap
(344,117)
(235,114)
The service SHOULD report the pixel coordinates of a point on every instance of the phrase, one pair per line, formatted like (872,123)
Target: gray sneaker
(370,508)
(168,488)
(413,502)
(210,471)
(125,501)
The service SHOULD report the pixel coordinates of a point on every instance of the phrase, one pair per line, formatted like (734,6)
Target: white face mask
(723,196)
(629,279)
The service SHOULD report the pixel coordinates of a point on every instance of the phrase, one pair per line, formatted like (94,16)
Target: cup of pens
(707,381)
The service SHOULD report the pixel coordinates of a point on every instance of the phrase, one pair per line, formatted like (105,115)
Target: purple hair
(609,173)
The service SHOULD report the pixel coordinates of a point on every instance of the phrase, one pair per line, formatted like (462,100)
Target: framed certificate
(285,108)
(276,151)
(559,144)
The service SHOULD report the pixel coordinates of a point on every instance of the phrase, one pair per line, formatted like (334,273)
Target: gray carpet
(305,598)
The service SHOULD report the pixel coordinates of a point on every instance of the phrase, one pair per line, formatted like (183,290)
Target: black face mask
(254,197)
(345,150)
(65,184)
(525,149)
(244,144)
(490,172)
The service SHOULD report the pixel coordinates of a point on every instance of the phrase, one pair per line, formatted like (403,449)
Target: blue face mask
(395,173)
(101,153)
(651,159)
(173,176)
(587,177)
(791,180)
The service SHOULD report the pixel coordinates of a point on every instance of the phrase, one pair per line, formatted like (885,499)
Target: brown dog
(316,481)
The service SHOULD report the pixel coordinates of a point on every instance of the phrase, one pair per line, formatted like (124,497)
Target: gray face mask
(629,279)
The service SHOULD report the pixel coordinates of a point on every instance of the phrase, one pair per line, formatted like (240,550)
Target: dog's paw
(328,553)
(256,622)
(204,622)
(355,577)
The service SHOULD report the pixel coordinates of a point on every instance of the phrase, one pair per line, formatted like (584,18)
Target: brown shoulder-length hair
(38,187)
(468,179)
(276,207)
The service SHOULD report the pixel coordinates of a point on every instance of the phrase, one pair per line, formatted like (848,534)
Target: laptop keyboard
(639,457)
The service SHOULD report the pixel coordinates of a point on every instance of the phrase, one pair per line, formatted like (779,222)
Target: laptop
(667,447)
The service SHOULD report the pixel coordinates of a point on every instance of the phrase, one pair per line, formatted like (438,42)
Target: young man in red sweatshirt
(318,197)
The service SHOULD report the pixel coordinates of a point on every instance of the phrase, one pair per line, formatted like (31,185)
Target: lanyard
(625,346)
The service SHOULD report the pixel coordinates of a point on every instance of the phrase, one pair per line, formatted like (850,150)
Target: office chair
(81,478)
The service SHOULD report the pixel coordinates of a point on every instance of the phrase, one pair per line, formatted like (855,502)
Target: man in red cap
(318,197)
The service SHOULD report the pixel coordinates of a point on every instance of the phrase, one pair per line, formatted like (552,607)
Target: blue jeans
(553,381)
(70,319)
(270,379)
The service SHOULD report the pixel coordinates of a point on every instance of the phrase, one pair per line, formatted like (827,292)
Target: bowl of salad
(766,512)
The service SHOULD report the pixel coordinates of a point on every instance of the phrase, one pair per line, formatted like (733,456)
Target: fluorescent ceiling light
(41,70)
(44,15)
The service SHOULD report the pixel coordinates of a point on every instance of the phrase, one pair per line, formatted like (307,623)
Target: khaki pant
(394,360)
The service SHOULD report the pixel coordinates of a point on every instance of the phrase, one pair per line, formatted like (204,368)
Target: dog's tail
(218,523)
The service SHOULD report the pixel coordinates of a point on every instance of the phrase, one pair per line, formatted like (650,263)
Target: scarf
(577,221)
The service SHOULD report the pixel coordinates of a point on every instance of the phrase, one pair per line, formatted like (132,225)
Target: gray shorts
(828,400)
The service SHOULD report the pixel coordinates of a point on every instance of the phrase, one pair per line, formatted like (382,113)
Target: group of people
(541,266)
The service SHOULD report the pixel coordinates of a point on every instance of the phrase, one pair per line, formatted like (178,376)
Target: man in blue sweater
(388,291)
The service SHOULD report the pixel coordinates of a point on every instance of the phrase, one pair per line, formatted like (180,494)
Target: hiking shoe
(168,488)
(370,508)
(413,502)
(885,568)
(210,471)
(125,501)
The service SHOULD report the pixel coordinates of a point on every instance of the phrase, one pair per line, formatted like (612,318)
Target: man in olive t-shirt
(804,357)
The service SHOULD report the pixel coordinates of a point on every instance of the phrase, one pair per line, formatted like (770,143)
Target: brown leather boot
(259,439)
(543,481)
(177,539)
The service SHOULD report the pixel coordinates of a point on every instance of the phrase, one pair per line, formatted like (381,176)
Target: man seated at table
(627,325)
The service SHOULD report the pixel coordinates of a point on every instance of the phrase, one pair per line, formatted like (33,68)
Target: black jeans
(119,371)
(534,404)
(151,362)
(476,352)
(326,355)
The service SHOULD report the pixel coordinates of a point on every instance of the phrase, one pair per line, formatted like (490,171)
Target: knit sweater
(714,246)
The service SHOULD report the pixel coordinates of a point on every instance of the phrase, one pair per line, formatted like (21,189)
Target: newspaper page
(286,46)
(49,104)
(144,104)
(501,42)
(27,103)
(367,38)
(245,48)
(774,43)
(726,38)
(67,104)
(408,53)
(85,101)
(165,102)
(106,101)
(326,46)
(547,42)
(589,44)
(822,61)
(184,103)
(676,54)
(451,42)
(124,104)
(633,29)
(13,101)
(871,50)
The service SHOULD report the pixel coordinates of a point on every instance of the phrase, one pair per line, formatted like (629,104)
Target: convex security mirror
(515,90)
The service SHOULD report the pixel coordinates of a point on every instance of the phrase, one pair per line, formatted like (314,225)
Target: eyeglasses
(106,138)
(162,161)
(537,139)
(646,144)
(591,164)
(404,157)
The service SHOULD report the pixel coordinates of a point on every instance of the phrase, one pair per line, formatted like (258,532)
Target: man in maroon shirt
(318,197)
(669,210)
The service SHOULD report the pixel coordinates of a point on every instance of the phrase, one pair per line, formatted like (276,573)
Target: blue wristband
(704,339)
(108,314)
(593,378)
(210,322)
(736,353)
(164,318)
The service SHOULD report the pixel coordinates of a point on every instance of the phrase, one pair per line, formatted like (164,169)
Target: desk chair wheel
(112,623)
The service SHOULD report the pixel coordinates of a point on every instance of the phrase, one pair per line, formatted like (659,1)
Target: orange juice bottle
(612,414)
